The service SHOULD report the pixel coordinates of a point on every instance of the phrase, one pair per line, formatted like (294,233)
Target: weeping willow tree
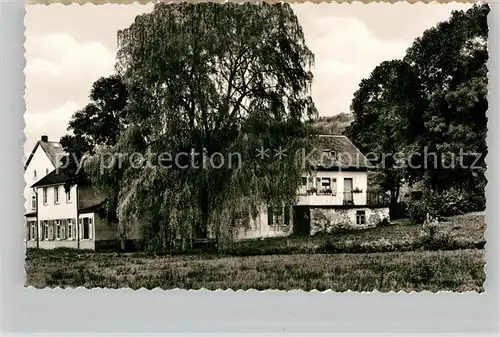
(207,79)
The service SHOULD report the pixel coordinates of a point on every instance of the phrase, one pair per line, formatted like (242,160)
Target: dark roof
(53,150)
(93,208)
(56,177)
(337,152)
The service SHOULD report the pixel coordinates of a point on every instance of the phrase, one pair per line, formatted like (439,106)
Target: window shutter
(287,215)
(73,228)
(80,229)
(63,229)
(269,216)
(91,223)
(65,226)
(51,229)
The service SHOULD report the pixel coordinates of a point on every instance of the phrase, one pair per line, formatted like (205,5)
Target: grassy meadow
(390,258)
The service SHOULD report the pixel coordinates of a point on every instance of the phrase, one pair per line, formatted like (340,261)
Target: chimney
(45,138)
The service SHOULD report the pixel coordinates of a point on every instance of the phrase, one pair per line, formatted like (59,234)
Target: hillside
(334,125)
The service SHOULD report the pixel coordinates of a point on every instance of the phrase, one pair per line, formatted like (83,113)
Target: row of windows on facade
(56,196)
(280,216)
(61,229)
(324,185)
(276,216)
(35,175)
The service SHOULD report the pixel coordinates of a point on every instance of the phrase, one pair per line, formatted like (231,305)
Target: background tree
(451,62)
(214,79)
(387,109)
(432,101)
(99,123)
(102,120)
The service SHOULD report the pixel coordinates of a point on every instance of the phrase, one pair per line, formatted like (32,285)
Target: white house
(71,218)
(44,158)
(334,193)
(56,217)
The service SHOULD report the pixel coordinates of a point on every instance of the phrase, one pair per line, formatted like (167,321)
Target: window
(45,229)
(70,229)
(326,186)
(328,158)
(56,194)
(68,196)
(360,218)
(33,230)
(58,229)
(45,196)
(303,181)
(34,174)
(325,183)
(33,201)
(334,186)
(28,230)
(63,229)
(278,216)
(46,171)
(51,230)
(238,219)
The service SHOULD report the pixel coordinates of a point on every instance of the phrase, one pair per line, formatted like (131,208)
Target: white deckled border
(124,311)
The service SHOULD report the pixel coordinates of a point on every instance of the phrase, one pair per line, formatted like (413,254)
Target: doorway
(301,220)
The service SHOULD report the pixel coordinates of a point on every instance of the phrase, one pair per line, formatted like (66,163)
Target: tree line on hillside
(334,125)
(430,107)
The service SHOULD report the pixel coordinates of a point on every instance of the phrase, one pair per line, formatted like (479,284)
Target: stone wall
(326,220)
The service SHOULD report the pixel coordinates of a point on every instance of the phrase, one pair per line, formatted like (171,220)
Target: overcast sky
(69,47)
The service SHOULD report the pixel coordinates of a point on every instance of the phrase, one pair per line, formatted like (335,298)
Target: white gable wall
(359,181)
(64,209)
(42,165)
(61,210)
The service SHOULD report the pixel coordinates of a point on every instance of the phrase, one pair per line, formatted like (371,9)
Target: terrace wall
(326,220)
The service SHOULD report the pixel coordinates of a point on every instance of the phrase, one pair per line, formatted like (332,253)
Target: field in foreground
(459,270)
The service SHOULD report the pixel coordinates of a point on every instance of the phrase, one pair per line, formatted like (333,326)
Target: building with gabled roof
(333,193)
(71,218)
(43,159)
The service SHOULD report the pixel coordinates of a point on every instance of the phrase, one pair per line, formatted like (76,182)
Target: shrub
(434,237)
(419,209)
(446,203)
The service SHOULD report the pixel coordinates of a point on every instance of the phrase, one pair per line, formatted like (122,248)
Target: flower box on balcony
(311,191)
(325,192)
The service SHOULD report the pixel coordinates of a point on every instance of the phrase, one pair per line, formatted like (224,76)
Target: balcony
(329,198)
